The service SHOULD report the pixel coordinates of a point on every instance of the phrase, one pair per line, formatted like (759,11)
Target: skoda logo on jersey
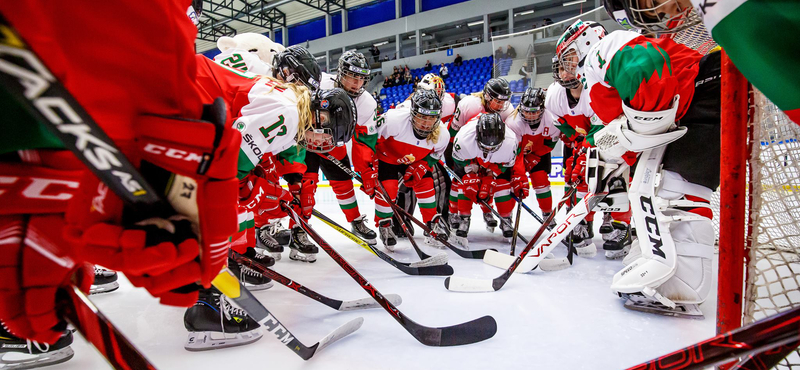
(324,104)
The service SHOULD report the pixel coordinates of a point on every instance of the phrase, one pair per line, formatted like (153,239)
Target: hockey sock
(346,197)
(455,189)
(541,185)
(502,196)
(246,235)
(464,205)
(382,209)
(426,198)
(626,216)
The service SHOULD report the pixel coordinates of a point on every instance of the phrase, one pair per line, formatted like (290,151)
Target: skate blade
(19,361)
(551,263)
(616,254)
(490,229)
(104,288)
(297,256)
(204,341)
(254,287)
(587,251)
(642,304)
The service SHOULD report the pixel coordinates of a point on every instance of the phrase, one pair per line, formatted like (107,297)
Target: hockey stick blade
(432,266)
(233,289)
(336,304)
(466,333)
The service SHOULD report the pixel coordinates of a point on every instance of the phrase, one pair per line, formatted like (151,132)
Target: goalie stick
(473,254)
(770,338)
(466,333)
(41,94)
(434,266)
(358,304)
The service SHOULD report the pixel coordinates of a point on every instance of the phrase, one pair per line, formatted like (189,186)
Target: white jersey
(557,107)
(448,106)
(521,128)
(366,106)
(465,147)
(268,123)
(397,143)
(470,107)
(243,60)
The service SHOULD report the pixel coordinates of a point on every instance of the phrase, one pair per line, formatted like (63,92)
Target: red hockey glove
(471,185)
(576,176)
(369,181)
(520,185)
(414,173)
(531,161)
(304,192)
(259,191)
(33,266)
(488,183)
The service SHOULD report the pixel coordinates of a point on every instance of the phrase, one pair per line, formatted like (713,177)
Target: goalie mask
(353,73)
(574,45)
(432,82)
(655,16)
(296,65)
(426,108)
(491,131)
(496,94)
(334,119)
(531,106)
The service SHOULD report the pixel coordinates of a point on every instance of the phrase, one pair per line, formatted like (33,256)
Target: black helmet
(426,108)
(352,64)
(296,65)
(338,128)
(496,89)
(491,132)
(532,101)
(631,15)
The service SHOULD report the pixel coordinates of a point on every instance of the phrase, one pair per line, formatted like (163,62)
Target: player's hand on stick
(471,185)
(414,173)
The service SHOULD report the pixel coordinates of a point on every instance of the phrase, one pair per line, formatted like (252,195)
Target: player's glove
(488,182)
(531,160)
(414,173)
(304,193)
(369,180)
(471,185)
(520,185)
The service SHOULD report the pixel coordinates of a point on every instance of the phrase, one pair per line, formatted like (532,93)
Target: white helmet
(432,82)
(574,44)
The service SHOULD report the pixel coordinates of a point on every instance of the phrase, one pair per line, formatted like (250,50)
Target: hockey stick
(230,286)
(544,247)
(442,238)
(767,359)
(50,102)
(516,229)
(570,245)
(483,202)
(406,229)
(530,211)
(769,334)
(434,266)
(466,333)
(358,304)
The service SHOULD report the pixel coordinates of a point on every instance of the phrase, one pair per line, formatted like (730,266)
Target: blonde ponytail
(303,101)
(433,137)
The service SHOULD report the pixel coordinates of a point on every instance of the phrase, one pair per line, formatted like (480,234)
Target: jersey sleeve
(366,131)
(467,108)
(272,131)
(243,61)
(389,123)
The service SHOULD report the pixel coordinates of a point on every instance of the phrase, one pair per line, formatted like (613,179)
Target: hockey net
(771,246)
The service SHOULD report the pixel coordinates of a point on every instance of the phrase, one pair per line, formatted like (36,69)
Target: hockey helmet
(491,131)
(432,82)
(656,16)
(574,45)
(334,119)
(296,65)
(353,73)
(426,109)
(496,95)
(531,106)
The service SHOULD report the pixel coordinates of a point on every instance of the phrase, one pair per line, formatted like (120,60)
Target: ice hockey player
(568,101)
(660,100)
(249,52)
(485,155)
(493,99)
(352,76)
(410,141)
(743,28)
(537,136)
(151,105)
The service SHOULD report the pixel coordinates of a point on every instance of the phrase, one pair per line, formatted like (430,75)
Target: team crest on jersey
(240,126)
(324,104)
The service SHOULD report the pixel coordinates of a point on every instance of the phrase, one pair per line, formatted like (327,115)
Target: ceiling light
(480,22)
(381,43)
(573,2)
(524,13)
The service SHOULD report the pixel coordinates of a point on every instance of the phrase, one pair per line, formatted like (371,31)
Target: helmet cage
(572,83)
(654,19)
(420,118)
(349,71)
(432,82)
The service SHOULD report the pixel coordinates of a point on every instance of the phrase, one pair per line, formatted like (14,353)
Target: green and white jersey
(243,60)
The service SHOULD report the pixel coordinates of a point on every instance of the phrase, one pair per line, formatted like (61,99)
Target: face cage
(569,62)
(421,132)
(353,94)
(678,22)
(533,123)
(489,149)
(489,99)
(323,146)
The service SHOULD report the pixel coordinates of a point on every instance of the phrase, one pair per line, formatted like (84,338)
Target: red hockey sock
(426,198)
(346,197)
(502,196)
(382,209)
(541,186)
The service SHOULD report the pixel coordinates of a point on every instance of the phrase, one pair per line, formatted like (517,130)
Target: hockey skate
(436,224)
(301,249)
(268,242)
(214,323)
(453,220)
(387,234)
(490,222)
(104,281)
(460,236)
(508,228)
(605,227)
(252,279)
(618,241)
(18,353)
(639,302)
(582,239)
(359,227)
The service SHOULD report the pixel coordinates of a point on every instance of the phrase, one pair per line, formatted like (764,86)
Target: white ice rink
(557,320)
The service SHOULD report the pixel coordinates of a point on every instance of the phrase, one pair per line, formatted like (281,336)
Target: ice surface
(556,320)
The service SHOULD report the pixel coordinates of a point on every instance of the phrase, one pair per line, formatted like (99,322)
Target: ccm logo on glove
(173,153)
